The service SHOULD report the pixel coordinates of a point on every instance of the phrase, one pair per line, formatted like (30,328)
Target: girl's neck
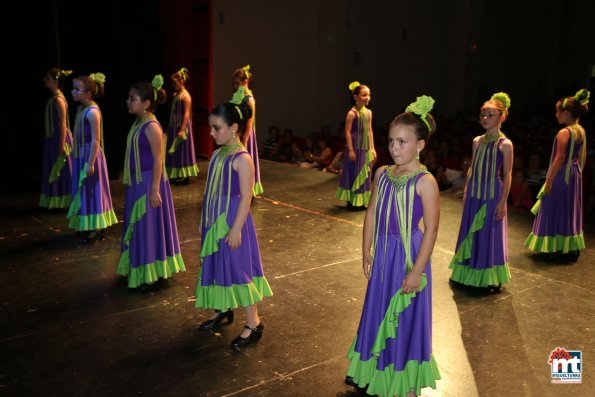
(359,107)
(233,142)
(570,123)
(407,168)
(87,102)
(493,132)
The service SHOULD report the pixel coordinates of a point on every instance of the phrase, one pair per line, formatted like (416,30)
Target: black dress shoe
(94,236)
(215,322)
(494,289)
(255,334)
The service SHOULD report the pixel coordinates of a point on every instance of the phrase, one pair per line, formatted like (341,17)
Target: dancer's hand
(234,239)
(367,264)
(411,283)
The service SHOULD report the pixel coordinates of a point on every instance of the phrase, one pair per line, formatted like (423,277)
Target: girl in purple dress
(180,161)
(391,354)
(150,246)
(558,227)
(242,94)
(91,210)
(481,256)
(231,273)
(56,172)
(359,153)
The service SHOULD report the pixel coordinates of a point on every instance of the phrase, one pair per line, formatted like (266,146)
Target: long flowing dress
(180,161)
(392,351)
(481,255)
(56,172)
(354,185)
(150,245)
(91,207)
(558,226)
(227,279)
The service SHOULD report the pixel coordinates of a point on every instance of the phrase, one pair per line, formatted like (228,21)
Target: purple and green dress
(392,351)
(56,182)
(150,245)
(180,160)
(354,185)
(91,207)
(558,226)
(227,279)
(481,256)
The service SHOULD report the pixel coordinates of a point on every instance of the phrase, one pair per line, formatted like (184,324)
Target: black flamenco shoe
(494,289)
(215,322)
(255,334)
(350,382)
(94,236)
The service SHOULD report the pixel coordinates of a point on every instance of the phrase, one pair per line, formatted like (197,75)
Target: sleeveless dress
(392,351)
(180,160)
(150,245)
(91,207)
(354,185)
(481,255)
(227,279)
(56,183)
(558,226)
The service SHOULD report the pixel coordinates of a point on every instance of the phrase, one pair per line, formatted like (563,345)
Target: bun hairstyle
(243,73)
(417,115)
(181,75)
(499,101)
(94,83)
(577,105)
(151,92)
(232,113)
(59,74)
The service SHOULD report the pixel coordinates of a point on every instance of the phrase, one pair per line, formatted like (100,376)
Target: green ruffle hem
(476,277)
(182,172)
(237,295)
(257,189)
(92,222)
(557,243)
(150,272)
(355,199)
(55,202)
(388,382)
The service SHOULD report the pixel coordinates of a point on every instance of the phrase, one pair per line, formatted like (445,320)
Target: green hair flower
(157,82)
(582,96)
(238,96)
(246,68)
(353,85)
(65,73)
(422,106)
(98,78)
(502,97)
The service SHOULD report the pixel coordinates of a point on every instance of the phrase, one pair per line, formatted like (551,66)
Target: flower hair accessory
(353,85)
(156,83)
(421,107)
(582,96)
(183,72)
(238,96)
(64,73)
(246,70)
(98,78)
(502,97)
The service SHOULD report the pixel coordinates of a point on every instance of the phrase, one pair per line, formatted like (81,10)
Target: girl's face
(403,144)
(363,97)
(562,115)
(49,82)
(135,104)
(236,82)
(490,118)
(79,94)
(176,84)
(222,133)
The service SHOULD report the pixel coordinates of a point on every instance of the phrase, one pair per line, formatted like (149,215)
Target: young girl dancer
(354,186)
(56,173)
(558,227)
(242,94)
(231,273)
(150,246)
(481,257)
(391,354)
(181,158)
(91,210)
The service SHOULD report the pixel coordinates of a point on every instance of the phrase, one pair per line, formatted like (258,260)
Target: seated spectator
(535,175)
(319,158)
(520,193)
(286,150)
(336,164)
(457,179)
(270,143)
